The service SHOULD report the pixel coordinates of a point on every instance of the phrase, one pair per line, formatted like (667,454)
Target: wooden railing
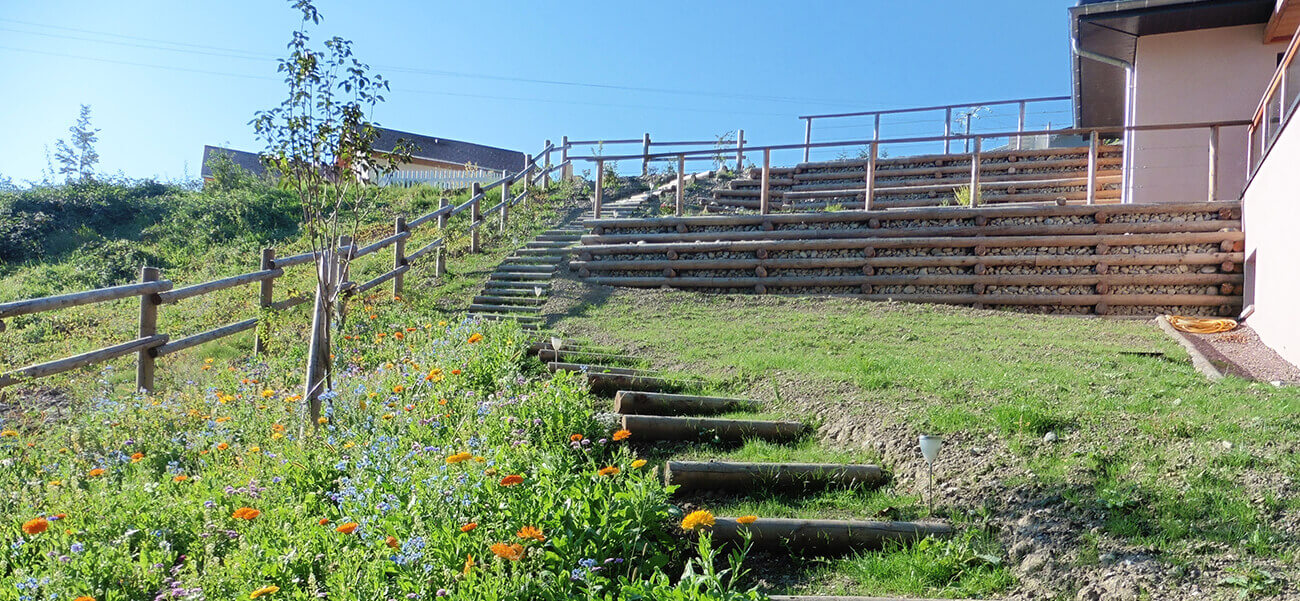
(155,292)
(872,147)
(1280,100)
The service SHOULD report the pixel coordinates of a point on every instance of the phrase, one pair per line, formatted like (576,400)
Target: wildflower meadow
(446,465)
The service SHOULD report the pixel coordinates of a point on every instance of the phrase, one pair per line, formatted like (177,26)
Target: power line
(245,55)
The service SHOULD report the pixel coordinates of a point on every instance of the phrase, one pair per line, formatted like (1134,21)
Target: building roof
(248,160)
(1112,27)
(451,151)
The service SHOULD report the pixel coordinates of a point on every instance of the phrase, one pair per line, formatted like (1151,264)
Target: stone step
(631,402)
(824,536)
(493,308)
(657,427)
(708,476)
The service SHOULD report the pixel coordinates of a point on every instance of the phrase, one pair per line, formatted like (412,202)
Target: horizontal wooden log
(180,294)
(379,280)
(924,213)
(89,358)
(289,303)
(1045,279)
(709,476)
(1083,240)
(1028,260)
(555,366)
(608,384)
(424,250)
(823,536)
(652,403)
(423,219)
(546,355)
(380,244)
(205,337)
(945,188)
(1105,164)
(75,299)
(656,427)
(1153,227)
(307,257)
(960,159)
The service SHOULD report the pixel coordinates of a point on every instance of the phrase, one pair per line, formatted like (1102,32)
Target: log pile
(1079,259)
(1054,175)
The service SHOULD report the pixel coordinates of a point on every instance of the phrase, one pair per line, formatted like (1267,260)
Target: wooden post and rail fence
(154,291)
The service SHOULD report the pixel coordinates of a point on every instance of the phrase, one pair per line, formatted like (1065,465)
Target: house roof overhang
(1112,27)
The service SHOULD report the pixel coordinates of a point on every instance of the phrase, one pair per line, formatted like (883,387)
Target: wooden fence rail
(154,292)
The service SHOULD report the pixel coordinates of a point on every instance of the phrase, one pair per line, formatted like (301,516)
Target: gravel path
(1241,353)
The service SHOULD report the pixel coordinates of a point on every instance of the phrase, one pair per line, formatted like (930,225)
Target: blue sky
(164,78)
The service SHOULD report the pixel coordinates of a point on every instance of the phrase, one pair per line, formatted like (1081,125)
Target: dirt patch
(1241,353)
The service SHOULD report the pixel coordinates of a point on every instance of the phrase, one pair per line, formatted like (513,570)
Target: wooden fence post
(870,176)
(1213,171)
(567,172)
(546,167)
(474,216)
(947,129)
(318,347)
(144,360)
(266,296)
(975,174)
(600,188)
(342,271)
(645,155)
(740,150)
(440,262)
(681,184)
(399,253)
(765,192)
(1092,168)
(505,201)
(1020,126)
(807,137)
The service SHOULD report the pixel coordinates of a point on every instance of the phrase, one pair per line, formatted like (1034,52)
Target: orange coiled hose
(1202,325)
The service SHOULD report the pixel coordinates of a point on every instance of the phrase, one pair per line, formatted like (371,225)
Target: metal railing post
(476,191)
(600,188)
(1092,168)
(1020,125)
(947,129)
(765,192)
(1213,171)
(645,155)
(266,295)
(681,185)
(440,261)
(144,360)
(870,177)
(975,174)
(807,137)
(875,130)
(740,150)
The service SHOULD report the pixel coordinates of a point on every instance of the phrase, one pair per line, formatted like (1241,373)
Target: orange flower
(323,521)
(607,471)
(277,427)
(469,526)
(455,372)
(84,598)
(513,552)
(180,478)
(575,437)
(435,375)
(391,542)
(36,526)
(399,335)
(398,389)
(136,457)
(747,519)
(531,532)
(622,435)
(95,473)
(512,480)
(222,446)
(347,528)
(475,338)
(469,564)
(245,513)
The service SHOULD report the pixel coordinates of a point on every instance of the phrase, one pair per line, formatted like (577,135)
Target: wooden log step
(555,366)
(546,354)
(510,267)
(695,476)
(514,292)
(1023,180)
(1104,163)
(544,260)
(833,190)
(543,252)
(657,427)
(771,181)
(510,300)
(630,402)
(990,156)
(520,276)
(1033,260)
(506,317)
(501,309)
(558,237)
(608,384)
(825,535)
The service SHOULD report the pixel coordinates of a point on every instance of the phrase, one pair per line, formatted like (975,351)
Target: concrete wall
(1196,76)
(1271,213)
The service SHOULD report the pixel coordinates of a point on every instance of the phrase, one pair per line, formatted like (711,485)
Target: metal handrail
(935,108)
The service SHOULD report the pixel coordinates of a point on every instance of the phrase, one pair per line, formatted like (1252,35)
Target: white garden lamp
(537,291)
(930,450)
(556,344)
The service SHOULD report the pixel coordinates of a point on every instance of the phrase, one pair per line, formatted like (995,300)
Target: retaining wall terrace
(1104,259)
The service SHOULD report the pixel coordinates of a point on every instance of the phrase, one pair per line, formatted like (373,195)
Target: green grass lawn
(1162,458)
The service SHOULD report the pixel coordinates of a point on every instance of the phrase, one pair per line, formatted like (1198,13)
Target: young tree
(320,144)
(77,159)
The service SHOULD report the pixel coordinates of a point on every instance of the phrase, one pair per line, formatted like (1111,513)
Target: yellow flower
(268,393)
(388,416)
(475,338)
(459,457)
(266,590)
(607,471)
(639,463)
(435,375)
(747,519)
(277,436)
(56,483)
(698,519)
(254,449)
(322,420)
(9,433)
(469,564)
